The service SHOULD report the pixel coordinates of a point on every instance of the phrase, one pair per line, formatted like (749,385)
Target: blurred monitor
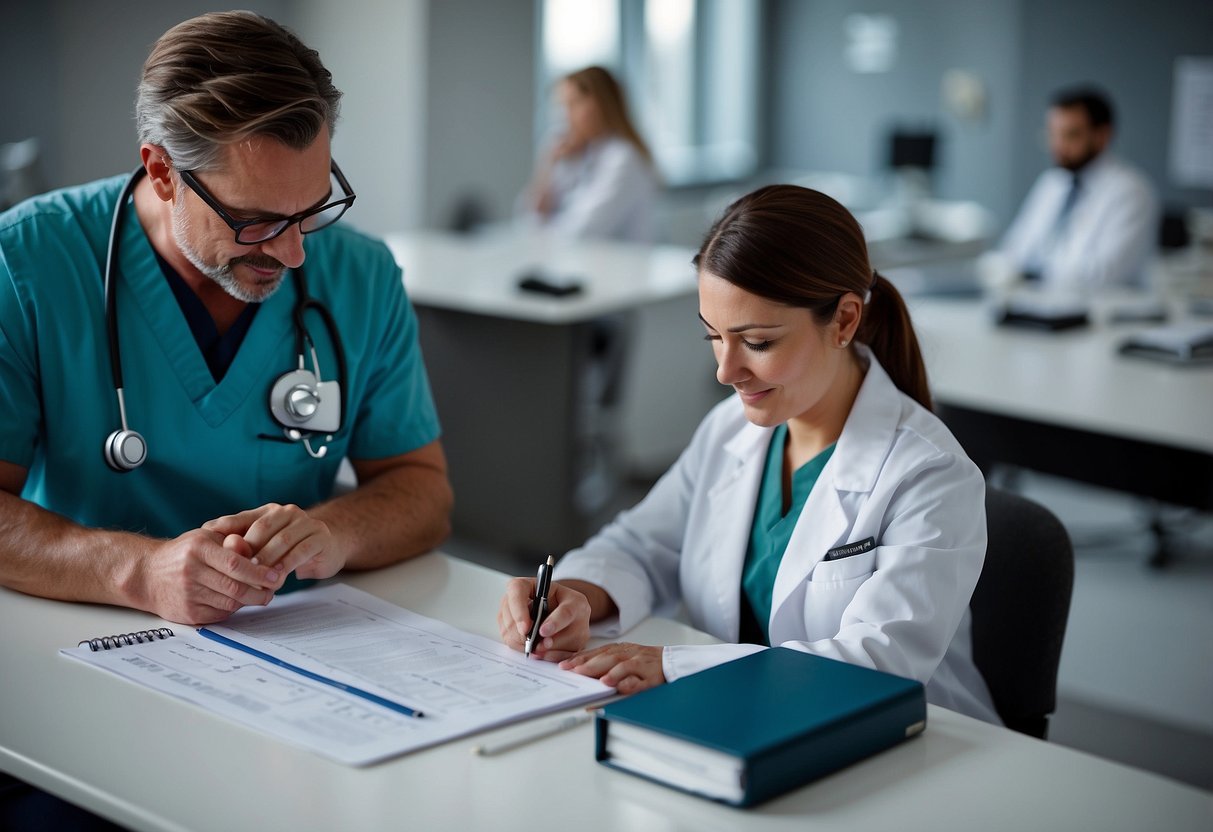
(912,149)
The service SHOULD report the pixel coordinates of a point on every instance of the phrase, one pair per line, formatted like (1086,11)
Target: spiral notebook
(342,673)
(123,639)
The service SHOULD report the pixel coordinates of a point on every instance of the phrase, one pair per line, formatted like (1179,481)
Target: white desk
(154,763)
(1073,378)
(524,426)
(1067,403)
(479,273)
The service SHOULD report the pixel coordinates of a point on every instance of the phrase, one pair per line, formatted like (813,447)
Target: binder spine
(123,639)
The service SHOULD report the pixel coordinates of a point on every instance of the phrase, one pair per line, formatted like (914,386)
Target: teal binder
(751,729)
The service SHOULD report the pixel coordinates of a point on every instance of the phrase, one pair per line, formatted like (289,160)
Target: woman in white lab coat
(597,180)
(822,508)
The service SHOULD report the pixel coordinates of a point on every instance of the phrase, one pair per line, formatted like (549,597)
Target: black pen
(539,604)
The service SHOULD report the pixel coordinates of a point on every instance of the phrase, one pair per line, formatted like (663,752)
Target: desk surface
(156,763)
(1073,378)
(480,273)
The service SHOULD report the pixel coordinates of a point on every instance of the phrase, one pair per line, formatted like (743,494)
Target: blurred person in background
(1090,221)
(597,180)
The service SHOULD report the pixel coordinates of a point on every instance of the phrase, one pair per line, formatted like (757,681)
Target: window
(690,69)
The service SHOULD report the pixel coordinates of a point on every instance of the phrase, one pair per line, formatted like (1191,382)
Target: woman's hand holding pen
(565,629)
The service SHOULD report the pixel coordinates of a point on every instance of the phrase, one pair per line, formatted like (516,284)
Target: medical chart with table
(415,681)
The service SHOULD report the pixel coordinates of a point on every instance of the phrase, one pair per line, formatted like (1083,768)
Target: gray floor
(1136,678)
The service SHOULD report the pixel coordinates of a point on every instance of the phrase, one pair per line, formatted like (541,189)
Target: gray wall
(440,95)
(30,69)
(71,68)
(825,117)
(480,105)
(377,52)
(1129,47)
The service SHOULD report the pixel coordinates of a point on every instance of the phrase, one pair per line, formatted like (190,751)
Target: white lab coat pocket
(830,588)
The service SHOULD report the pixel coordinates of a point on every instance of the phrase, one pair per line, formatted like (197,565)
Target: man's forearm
(401,513)
(45,554)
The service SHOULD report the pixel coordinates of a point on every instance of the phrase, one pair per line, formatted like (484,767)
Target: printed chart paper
(461,682)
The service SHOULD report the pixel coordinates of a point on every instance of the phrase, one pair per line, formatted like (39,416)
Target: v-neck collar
(803,479)
(147,293)
(218,349)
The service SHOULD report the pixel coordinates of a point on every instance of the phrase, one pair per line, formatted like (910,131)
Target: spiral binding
(123,639)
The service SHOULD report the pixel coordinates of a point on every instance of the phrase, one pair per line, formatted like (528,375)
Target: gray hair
(220,78)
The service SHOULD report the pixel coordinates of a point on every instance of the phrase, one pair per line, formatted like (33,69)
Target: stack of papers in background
(1185,343)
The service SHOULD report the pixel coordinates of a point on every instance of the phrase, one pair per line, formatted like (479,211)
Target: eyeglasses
(262,229)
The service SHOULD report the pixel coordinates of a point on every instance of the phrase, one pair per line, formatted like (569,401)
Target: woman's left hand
(629,668)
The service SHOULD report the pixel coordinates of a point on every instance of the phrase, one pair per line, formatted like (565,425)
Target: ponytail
(802,248)
(886,329)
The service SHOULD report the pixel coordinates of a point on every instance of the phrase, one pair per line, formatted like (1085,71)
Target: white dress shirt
(1107,237)
(606,192)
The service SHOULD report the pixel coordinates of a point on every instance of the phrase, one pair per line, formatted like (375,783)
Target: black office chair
(1020,608)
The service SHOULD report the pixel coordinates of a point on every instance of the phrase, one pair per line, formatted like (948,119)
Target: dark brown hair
(801,248)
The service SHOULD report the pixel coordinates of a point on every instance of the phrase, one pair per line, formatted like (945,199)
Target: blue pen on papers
(315,677)
(539,605)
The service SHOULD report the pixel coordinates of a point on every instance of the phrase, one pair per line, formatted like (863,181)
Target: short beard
(225,275)
(1076,165)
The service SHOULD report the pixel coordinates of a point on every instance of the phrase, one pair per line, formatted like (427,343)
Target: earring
(843,344)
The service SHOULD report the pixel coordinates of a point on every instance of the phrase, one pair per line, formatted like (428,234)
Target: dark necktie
(1063,216)
(1050,240)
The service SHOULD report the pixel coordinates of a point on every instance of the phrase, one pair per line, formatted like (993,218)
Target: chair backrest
(1020,608)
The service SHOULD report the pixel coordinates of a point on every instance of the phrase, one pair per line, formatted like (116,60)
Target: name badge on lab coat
(851,549)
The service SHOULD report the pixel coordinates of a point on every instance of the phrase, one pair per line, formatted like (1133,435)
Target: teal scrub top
(773,528)
(206,455)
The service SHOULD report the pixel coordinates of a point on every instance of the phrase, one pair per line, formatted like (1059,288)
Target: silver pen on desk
(539,605)
(531,733)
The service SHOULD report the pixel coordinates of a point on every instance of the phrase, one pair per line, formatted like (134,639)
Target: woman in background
(597,180)
(822,508)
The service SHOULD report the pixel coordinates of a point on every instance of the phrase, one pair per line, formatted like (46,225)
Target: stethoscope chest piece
(299,400)
(125,450)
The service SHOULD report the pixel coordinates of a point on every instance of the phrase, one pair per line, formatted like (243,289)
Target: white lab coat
(897,475)
(607,192)
(1108,238)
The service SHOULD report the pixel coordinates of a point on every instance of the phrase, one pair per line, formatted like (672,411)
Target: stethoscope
(300,402)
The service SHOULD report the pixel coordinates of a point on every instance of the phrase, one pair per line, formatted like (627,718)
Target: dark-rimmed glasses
(262,229)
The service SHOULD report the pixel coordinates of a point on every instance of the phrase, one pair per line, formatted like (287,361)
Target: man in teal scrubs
(234,116)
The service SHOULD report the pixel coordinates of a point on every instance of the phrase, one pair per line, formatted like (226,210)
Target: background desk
(155,763)
(533,447)
(1066,403)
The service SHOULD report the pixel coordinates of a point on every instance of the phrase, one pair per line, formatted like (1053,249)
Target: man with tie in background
(1091,220)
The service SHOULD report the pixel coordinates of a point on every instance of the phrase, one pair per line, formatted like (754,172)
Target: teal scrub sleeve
(396,411)
(20,405)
